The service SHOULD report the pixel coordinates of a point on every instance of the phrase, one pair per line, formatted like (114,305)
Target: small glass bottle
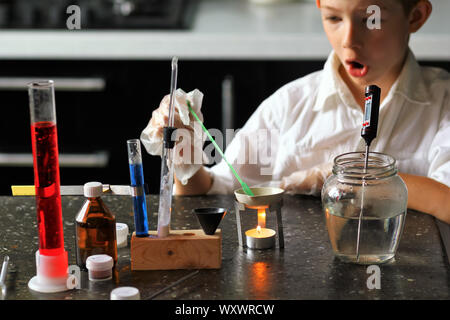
(95,227)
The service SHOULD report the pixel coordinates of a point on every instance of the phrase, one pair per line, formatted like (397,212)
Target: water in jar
(379,237)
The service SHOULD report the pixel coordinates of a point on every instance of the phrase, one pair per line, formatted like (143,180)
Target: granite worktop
(305,269)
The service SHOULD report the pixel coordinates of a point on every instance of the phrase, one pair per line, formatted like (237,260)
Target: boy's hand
(160,117)
(188,152)
(308,181)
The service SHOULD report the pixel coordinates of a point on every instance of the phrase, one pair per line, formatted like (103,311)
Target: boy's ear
(318,3)
(419,15)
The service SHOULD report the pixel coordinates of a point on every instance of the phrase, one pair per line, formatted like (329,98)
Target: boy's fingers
(303,182)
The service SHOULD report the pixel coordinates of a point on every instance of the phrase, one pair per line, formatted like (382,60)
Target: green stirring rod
(245,187)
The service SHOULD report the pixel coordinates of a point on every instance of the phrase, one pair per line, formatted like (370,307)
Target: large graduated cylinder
(51,259)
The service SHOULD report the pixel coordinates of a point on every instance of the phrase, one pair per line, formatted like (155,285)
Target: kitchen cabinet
(95,120)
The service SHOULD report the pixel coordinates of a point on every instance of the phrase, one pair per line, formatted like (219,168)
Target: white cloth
(316,118)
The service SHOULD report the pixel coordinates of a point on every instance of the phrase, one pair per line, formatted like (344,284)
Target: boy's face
(368,56)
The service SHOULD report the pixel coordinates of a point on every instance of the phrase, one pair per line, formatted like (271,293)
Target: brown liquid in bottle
(95,231)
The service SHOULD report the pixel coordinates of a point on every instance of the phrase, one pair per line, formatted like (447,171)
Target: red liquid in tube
(47,183)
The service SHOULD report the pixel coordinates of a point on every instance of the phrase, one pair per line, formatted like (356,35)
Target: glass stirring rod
(166,184)
(368,133)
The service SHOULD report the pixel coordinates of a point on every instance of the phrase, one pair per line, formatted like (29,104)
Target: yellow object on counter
(23,190)
(76,190)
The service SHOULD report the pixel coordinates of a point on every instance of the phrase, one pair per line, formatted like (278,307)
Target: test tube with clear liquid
(166,184)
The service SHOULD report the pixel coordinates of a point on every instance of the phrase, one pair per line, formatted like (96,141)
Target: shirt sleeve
(252,150)
(439,155)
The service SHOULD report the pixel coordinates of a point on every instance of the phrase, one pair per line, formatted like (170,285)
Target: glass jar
(365,208)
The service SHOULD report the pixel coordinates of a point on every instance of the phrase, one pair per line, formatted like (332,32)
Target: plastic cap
(99,262)
(122,234)
(93,189)
(125,293)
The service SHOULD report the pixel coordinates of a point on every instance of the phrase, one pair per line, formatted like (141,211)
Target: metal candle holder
(271,199)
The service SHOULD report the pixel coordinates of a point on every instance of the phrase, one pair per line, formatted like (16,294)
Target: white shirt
(315,118)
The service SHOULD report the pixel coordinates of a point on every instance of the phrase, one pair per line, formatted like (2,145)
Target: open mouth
(357,65)
(356,68)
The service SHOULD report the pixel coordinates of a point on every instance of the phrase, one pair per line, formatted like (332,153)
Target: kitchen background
(113,72)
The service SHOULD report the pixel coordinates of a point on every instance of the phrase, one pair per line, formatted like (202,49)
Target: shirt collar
(410,84)
(328,85)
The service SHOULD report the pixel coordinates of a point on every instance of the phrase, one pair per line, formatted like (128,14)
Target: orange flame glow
(261,280)
(261,217)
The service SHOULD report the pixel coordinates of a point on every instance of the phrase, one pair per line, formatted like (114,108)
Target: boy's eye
(333,18)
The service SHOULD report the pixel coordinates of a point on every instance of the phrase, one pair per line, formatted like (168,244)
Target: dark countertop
(305,269)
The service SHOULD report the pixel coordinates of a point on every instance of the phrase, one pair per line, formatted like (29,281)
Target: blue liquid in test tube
(137,187)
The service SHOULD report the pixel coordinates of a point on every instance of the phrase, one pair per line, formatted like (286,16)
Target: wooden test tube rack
(182,249)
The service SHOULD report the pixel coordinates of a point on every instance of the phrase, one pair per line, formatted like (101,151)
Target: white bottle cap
(99,262)
(93,189)
(125,293)
(122,234)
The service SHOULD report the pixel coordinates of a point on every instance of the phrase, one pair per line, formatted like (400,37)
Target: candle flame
(262,217)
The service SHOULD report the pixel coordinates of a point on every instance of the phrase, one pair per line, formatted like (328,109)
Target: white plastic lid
(93,189)
(125,293)
(99,262)
(122,234)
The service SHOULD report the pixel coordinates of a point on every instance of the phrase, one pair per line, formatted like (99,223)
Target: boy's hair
(408,5)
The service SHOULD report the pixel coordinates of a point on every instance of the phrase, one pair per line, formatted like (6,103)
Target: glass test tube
(46,167)
(137,187)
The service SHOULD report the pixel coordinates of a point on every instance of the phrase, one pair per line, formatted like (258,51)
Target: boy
(317,117)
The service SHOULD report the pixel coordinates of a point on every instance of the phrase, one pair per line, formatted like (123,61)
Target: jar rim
(351,165)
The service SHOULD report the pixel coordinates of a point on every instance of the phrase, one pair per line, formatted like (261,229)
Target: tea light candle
(260,238)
